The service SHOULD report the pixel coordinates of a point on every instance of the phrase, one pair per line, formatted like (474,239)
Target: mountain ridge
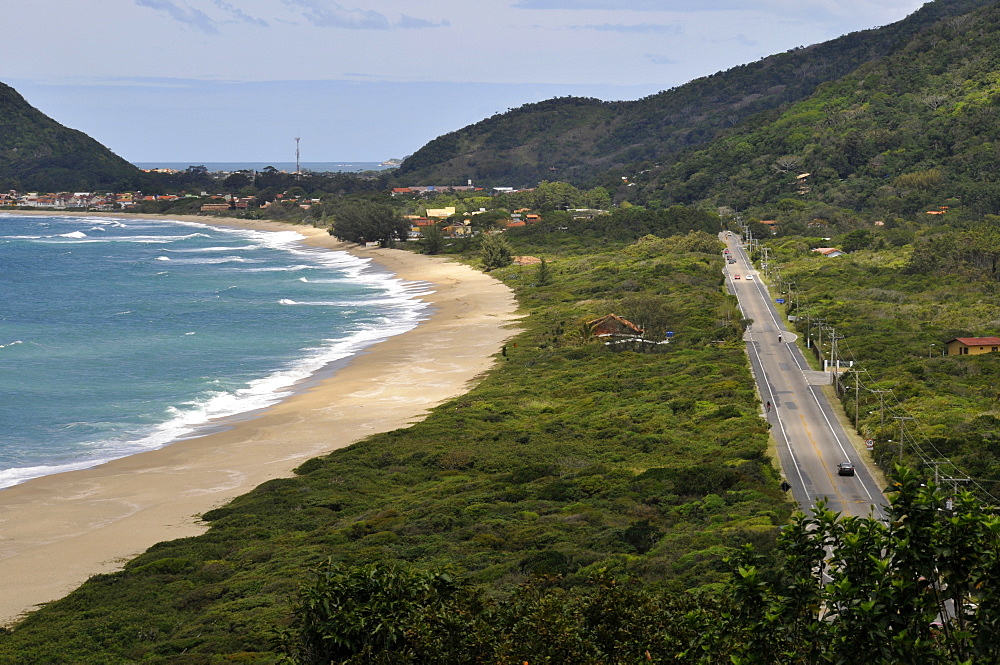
(580,139)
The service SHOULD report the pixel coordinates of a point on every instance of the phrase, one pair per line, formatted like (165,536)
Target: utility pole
(901,432)
(834,353)
(857,389)
(937,472)
(954,485)
(819,345)
(881,403)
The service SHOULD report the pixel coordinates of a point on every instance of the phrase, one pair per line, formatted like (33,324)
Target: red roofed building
(972,346)
(614,326)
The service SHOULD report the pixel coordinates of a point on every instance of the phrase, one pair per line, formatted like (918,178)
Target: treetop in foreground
(918,588)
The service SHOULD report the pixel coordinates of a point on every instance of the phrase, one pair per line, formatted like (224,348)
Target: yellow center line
(819,453)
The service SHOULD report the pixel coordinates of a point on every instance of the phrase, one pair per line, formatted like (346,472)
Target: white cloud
(186,14)
(239,14)
(324,14)
(409,22)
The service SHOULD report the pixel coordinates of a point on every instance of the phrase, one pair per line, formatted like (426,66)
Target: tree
(488,220)
(494,251)
(361,614)
(857,239)
(916,588)
(369,222)
(433,239)
(544,275)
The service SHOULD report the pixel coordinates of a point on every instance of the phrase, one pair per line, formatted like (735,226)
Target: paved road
(811,441)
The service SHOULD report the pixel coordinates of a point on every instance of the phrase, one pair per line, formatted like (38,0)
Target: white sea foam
(188,418)
(394,297)
(387,302)
(217,260)
(16,341)
(198,250)
(16,476)
(153,240)
(73,234)
(296,268)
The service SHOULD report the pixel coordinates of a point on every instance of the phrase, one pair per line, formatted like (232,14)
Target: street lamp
(929,349)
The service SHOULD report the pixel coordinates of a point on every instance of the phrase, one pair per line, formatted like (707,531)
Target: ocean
(229,167)
(122,335)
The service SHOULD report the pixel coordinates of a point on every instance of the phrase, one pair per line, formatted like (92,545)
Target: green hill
(37,153)
(575,139)
(900,135)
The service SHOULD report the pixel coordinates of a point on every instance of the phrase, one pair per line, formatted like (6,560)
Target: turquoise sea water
(122,335)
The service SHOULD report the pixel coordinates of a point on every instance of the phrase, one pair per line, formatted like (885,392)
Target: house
(418,224)
(441,212)
(457,230)
(587,213)
(214,207)
(829,251)
(614,326)
(972,346)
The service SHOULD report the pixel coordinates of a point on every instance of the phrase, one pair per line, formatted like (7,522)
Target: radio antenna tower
(297,169)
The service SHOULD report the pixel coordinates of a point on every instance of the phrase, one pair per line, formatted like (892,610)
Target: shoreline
(56,531)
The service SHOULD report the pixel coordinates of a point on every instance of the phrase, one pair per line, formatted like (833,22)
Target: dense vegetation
(591,504)
(576,140)
(901,135)
(568,459)
(915,589)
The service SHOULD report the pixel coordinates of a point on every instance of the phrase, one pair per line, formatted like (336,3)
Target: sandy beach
(57,531)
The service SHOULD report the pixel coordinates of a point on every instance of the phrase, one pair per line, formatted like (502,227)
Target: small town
(452,222)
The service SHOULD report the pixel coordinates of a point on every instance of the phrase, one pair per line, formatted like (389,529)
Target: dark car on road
(845,469)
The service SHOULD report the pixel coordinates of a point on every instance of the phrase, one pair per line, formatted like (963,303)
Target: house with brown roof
(613,325)
(972,346)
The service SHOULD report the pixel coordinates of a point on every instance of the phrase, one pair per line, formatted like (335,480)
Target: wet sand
(57,531)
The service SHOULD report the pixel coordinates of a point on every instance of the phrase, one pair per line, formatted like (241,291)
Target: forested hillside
(576,139)
(901,135)
(37,153)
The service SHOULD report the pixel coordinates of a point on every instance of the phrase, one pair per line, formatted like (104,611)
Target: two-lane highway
(811,441)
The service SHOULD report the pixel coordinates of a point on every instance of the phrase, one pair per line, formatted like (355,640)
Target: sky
(366,80)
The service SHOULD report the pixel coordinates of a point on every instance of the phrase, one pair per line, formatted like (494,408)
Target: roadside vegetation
(895,305)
